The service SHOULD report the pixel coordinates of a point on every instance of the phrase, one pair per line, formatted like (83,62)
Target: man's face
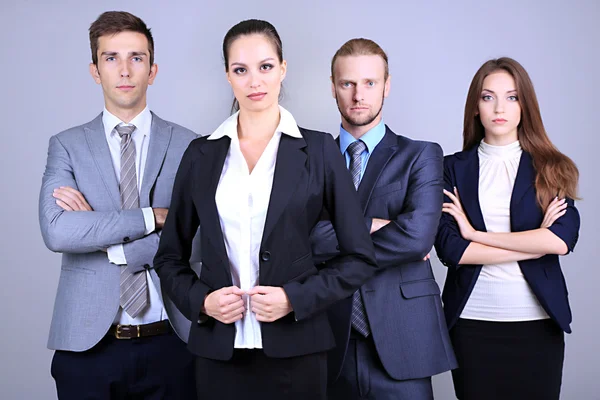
(359,87)
(124,71)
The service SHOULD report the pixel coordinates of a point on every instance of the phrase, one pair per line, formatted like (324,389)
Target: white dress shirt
(501,292)
(116,255)
(242,202)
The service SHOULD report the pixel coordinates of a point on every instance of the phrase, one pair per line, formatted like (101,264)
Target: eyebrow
(243,65)
(491,91)
(131,53)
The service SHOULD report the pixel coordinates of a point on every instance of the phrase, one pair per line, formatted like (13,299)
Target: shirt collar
(371,138)
(142,122)
(287,125)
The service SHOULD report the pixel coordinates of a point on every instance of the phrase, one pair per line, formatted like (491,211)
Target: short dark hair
(113,22)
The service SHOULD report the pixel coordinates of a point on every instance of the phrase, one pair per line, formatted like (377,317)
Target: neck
(501,140)
(125,114)
(258,124)
(358,131)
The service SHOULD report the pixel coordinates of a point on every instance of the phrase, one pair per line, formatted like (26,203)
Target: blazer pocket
(301,267)
(78,269)
(428,287)
(385,189)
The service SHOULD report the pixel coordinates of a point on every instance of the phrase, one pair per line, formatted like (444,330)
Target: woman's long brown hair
(556,174)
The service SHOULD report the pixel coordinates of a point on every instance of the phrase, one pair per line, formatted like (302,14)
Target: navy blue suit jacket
(544,275)
(402,183)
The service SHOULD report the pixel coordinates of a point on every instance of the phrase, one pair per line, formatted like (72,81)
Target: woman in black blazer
(256,187)
(509,213)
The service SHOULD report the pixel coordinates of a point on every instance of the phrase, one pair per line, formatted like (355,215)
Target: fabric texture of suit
(309,175)
(87,298)
(544,275)
(402,183)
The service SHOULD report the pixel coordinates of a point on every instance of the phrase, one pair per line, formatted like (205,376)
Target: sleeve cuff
(148,220)
(116,254)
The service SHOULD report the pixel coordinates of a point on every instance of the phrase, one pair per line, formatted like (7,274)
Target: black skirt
(508,360)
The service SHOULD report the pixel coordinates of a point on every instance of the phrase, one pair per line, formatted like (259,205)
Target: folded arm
(85,231)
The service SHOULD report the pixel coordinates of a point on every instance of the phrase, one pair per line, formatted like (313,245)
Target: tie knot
(124,130)
(356,148)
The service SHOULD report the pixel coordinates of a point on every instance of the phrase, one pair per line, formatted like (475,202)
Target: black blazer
(544,274)
(310,175)
(402,183)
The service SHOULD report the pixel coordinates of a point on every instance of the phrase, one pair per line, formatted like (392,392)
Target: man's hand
(70,199)
(269,303)
(377,224)
(160,215)
(225,305)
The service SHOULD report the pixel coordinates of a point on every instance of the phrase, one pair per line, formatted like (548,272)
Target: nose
(358,96)
(254,81)
(499,107)
(124,69)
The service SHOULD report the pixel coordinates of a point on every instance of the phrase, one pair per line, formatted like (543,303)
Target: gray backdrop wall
(434,49)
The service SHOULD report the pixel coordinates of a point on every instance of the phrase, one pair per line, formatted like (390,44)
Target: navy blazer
(310,175)
(402,183)
(544,275)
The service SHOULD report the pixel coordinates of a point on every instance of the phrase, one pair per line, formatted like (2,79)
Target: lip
(499,121)
(359,108)
(257,96)
(125,87)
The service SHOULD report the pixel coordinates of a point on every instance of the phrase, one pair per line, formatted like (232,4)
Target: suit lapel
(157,149)
(290,164)
(467,182)
(210,167)
(96,139)
(378,160)
(524,181)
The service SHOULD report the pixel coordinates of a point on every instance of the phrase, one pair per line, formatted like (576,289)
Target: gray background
(434,50)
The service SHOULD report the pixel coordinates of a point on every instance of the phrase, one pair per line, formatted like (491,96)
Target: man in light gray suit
(104,198)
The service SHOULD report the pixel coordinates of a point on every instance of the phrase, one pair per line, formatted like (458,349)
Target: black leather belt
(137,331)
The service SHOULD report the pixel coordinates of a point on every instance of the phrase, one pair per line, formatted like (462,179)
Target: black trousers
(250,374)
(148,368)
(508,360)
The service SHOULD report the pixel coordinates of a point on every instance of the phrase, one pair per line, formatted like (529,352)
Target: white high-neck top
(501,292)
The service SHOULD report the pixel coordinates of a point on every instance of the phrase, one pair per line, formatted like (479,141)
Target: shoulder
(75,133)
(180,132)
(314,137)
(451,160)
(418,147)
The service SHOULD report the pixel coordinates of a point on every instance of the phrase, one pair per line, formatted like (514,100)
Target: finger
(259,290)
(68,197)
(227,300)
(234,313)
(556,216)
(231,307)
(450,195)
(456,193)
(231,320)
(63,205)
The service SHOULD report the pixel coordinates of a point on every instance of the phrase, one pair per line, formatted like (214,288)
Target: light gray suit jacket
(87,298)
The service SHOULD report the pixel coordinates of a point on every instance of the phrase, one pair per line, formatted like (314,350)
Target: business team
(295,266)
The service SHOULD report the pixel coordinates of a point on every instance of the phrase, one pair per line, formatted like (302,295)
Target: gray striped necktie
(134,287)
(359,315)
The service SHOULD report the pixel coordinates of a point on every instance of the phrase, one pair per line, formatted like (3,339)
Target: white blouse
(242,202)
(501,292)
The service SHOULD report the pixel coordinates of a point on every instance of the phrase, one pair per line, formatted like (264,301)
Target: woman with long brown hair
(509,213)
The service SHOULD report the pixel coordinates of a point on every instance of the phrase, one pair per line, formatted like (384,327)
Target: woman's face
(499,108)
(255,73)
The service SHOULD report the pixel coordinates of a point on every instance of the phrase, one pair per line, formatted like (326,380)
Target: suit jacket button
(265,256)
(126,239)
